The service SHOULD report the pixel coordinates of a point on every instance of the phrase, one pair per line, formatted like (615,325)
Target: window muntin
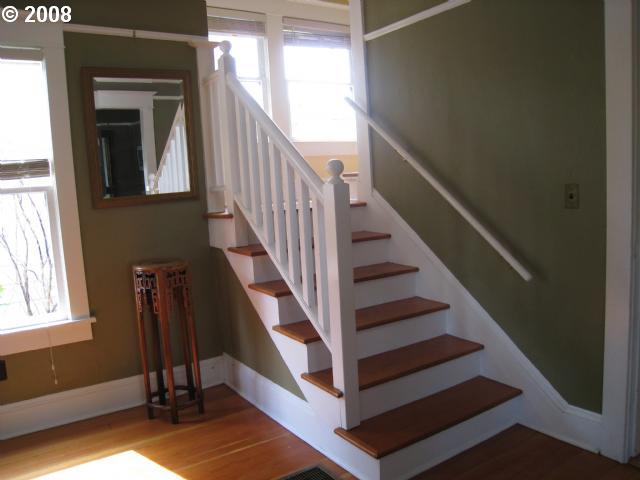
(318,80)
(31,272)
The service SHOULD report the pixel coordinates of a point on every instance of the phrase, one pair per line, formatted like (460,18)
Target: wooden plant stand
(165,288)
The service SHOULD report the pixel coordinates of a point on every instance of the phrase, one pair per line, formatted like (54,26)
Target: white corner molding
(619,59)
(418,17)
(81,403)
(361,96)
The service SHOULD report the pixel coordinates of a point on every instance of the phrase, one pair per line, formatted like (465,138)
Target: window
(248,48)
(30,270)
(38,204)
(318,73)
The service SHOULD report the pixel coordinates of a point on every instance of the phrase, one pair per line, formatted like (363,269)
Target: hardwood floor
(234,440)
(521,453)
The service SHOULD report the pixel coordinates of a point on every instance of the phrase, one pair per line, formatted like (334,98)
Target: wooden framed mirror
(140,139)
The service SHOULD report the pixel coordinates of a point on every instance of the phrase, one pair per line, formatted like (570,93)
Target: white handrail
(272,130)
(446,194)
(418,17)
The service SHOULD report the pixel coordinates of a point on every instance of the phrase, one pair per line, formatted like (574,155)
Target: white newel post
(229,141)
(209,120)
(340,286)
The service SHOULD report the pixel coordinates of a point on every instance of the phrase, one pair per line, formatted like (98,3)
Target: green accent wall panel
(244,335)
(113,239)
(187,17)
(505,101)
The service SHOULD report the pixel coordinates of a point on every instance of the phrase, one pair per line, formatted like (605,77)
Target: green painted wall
(244,335)
(505,101)
(113,239)
(175,16)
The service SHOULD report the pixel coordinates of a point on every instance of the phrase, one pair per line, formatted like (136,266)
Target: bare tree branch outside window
(25,244)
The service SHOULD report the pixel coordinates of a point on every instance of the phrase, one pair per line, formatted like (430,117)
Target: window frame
(307,140)
(262,65)
(65,223)
(263,45)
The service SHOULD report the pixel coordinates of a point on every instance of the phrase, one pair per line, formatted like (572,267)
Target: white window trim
(49,38)
(273,12)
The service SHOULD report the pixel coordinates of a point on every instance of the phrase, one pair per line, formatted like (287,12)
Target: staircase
(376,361)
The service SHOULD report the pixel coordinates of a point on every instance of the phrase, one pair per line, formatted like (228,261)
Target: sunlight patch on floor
(127,465)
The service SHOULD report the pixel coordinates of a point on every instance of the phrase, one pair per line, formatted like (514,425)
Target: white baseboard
(297,416)
(70,406)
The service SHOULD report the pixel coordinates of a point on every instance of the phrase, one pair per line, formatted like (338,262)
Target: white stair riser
(370,252)
(319,356)
(358,215)
(389,289)
(289,310)
(366,294)
(401,333)
(263,269)
(384,338)
(363,253)
(407,389)
(420,456)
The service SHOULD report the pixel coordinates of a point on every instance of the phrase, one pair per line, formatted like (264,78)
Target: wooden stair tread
(253,250)
(387,366)
(368,317)
(399,428)
(218,215)
(256,249)
(279,288)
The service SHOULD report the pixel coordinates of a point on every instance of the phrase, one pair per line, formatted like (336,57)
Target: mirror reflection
(141,135)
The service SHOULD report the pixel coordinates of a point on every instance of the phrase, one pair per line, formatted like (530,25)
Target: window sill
(45,336)
(317,148)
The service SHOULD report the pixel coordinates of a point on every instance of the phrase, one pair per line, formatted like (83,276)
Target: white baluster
(265,173)
(171,163)
(179,160)
(254,171)
(243,154)
(280,230)
(184,164)
(306,249)
(320,253)
(216,140)
(293,233)
(340,286)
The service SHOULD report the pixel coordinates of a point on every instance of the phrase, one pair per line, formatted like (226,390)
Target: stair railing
(302,222)
(172,174)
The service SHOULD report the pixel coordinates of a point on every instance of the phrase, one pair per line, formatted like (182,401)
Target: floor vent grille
(314,473)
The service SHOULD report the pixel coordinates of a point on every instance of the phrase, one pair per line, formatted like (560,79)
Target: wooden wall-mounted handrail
(452,199)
